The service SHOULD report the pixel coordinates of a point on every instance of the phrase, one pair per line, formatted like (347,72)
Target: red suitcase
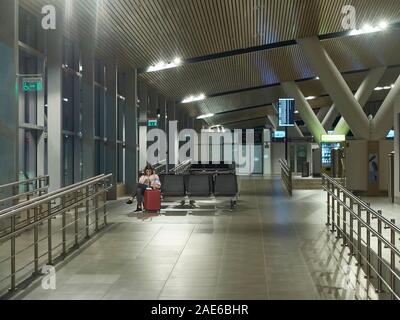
(152,200)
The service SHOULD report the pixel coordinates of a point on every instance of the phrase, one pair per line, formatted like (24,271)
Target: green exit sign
(152,123)
(32,84)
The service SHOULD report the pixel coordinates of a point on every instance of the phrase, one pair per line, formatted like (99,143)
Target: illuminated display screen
(286,112)
(326,150)
(390,134)
(279,134)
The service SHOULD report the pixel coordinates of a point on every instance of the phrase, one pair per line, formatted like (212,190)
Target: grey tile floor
(271,247)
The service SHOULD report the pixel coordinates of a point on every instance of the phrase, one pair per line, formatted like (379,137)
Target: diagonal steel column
(322,112)
(362,95)
(336,86)
(305,110)
(383,121)
(274,118)
(330,117)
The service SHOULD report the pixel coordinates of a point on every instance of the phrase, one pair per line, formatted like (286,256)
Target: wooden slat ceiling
(140,33)
(146,31)
(270,95)
(274,66)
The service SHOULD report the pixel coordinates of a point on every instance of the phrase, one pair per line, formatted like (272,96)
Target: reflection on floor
(271,247)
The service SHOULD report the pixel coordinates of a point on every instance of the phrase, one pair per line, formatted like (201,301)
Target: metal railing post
(352,227)
(96,205)
(328,201)
(380,275)
(393,261)
(36,241)
(338,212)
(104,206)
(345,239)
(333,209)
(368,276)
(49,236)
(359,230)
(28,213)
(63,227)
(87,210)
(13,257)
(76,222)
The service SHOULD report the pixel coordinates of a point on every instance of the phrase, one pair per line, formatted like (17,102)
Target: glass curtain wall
(121,139)
(32,100)
(71,114)
(100,116)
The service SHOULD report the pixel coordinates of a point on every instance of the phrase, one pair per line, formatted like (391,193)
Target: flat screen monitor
(326,150)
(279,134)
(286,112)
(390,134)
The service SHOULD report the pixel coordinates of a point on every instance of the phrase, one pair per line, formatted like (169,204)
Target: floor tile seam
(226,235)
(293,225)
(141,251)
(176,262)
(264,249)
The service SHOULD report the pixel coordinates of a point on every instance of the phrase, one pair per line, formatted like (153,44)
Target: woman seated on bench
(148,180)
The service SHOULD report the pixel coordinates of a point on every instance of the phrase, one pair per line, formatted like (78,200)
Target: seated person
(149,180)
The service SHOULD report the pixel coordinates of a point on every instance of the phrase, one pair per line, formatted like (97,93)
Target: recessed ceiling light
(383,25)
(194,98)
(367,28)
(384,88)
(163,65)
(311,98)
(205,116)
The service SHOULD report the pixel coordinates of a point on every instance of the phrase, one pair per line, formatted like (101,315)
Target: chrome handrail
(83,201)
(348,215)
(364,205)
(180,167)
(286,176)
(17,183)
(13,195)
(45,196)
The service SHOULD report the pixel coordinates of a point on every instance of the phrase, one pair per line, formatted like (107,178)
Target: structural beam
(111,114)
(305,110)
(322,112)
(383,121)
(131,134)
(396,117)
(88,115)
(9,90)
(330,117)
(55,105)
(362,95)
(296,131)
(336,86)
